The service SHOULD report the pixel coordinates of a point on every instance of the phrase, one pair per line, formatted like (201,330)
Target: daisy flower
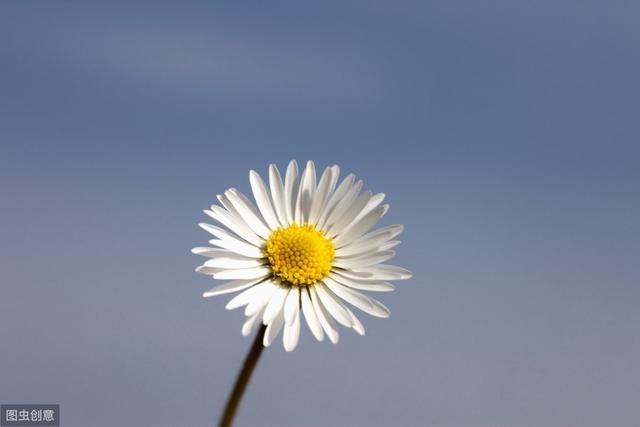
(302,250)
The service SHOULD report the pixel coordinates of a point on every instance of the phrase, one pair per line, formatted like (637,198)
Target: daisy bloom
(302,250)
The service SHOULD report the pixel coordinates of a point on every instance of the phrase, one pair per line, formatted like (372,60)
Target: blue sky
(505,135)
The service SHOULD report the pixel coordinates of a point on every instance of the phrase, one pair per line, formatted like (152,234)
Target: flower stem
(243,379)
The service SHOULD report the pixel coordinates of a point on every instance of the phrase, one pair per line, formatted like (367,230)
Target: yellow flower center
(300,254)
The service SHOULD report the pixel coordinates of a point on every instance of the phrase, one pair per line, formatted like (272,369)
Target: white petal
(375,200)
(239,226)
(273,328)
(360,246)
(227,288)
(357,325)
(361,226)
(238,246)
(248,212)
(275,305)
(231,261)
(335,174)
(358,275)
(291,190)
(228,205)
(209,271)
(352,297)
(292,305)
(389,245)
(277,194)
(364,260)
(360,300)
(305,193)
(234,241)
(250,323)
(245,230)
(291,333)
(243,273)
(336,197)
(342,207)
(394,229)
(326,320)
(380,310)
(320,196)
(384,272)
(245,297)
(260,300)
(210,252)
(310,315)
(216,231)
(235,224)
(363,285)
(263,199)
(333,305)
(345,219)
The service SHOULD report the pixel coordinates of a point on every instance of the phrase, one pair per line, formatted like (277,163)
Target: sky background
(505,134)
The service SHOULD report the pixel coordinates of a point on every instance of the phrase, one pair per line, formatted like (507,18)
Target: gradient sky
(505,134)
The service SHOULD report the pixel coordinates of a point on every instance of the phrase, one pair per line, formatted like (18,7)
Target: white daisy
(303,251)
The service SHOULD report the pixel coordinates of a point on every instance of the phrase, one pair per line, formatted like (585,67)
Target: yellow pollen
(300,254)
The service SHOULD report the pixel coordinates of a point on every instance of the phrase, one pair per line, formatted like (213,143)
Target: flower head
(302,250)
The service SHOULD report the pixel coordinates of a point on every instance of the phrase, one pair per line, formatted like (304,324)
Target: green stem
(243,379)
